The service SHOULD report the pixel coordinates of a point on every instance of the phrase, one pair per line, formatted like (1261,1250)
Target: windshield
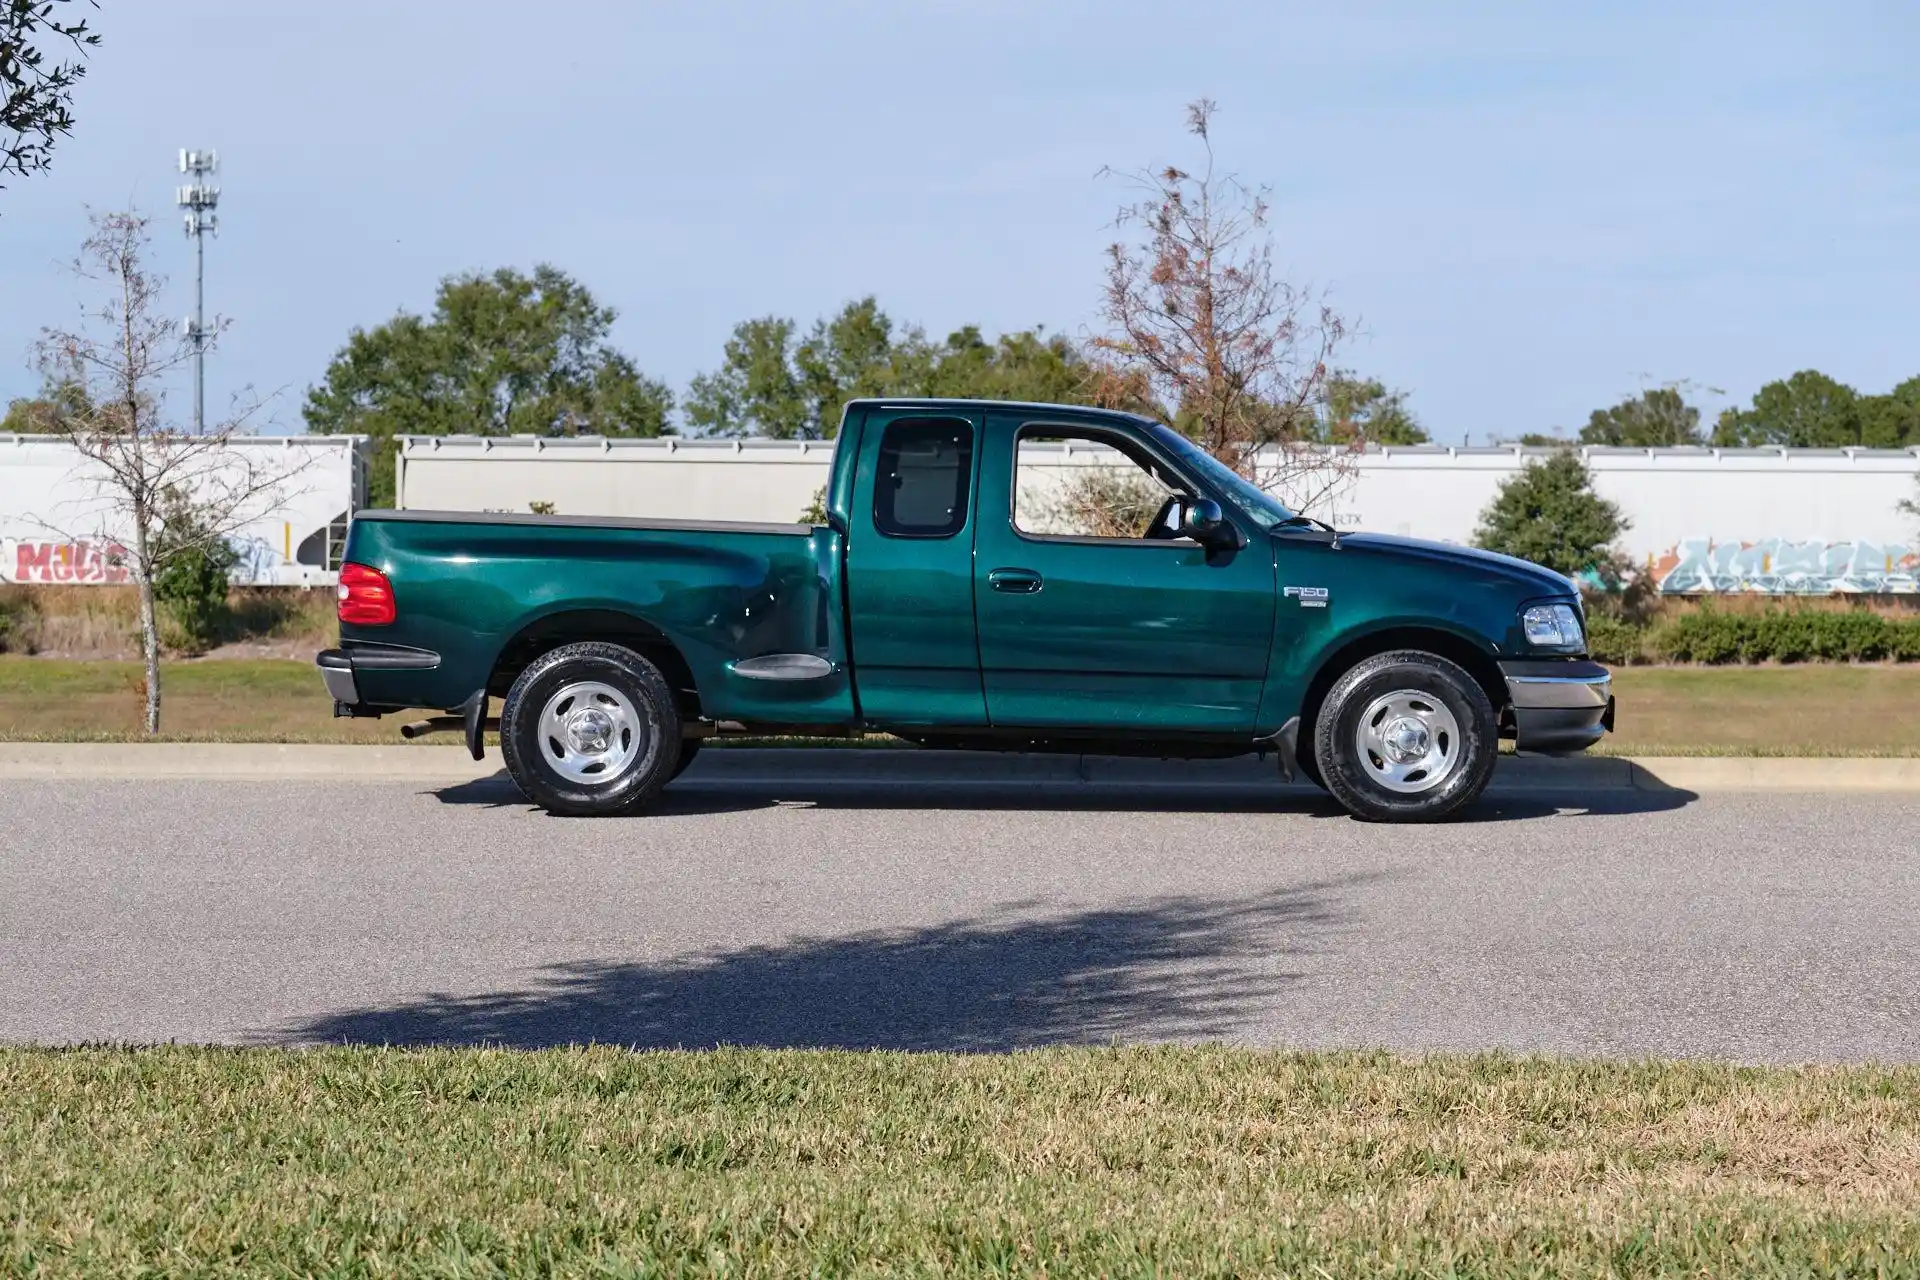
(1257,502)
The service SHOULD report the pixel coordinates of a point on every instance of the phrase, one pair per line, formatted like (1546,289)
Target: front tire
(590,730)
(1406,737)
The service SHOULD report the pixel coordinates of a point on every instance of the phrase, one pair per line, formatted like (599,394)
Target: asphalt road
(988,915)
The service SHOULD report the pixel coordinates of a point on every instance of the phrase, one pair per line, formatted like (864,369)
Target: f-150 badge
(1310,597)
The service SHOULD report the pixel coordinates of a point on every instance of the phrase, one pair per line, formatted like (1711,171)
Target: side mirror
(1202,520)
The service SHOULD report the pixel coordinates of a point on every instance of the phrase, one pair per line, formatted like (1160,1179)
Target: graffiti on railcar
(62,562)
(84,562)
(1778,566)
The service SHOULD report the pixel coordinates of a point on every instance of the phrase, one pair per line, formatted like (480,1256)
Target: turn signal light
(366,597)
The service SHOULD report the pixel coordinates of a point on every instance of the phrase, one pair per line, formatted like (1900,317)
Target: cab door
(1093,612)
(916,660)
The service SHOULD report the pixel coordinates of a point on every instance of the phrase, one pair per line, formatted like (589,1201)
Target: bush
(1548,513)
(1615,641)
(19,622)
(1785,634)
(1706,636)
(192,595)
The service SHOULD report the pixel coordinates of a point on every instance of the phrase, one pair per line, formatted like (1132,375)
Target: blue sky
(1531,209)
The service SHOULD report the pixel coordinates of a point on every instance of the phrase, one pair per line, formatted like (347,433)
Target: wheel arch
(1469,654)
(599,623)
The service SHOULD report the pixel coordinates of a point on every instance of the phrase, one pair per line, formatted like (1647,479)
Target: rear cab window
(924,479)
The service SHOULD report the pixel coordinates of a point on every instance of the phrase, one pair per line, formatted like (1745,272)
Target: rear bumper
(1558,706)
(340,670)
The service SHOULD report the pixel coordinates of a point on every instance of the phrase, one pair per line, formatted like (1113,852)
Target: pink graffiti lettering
(68,562)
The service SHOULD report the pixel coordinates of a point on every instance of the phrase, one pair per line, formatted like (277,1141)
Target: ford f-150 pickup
(991,576)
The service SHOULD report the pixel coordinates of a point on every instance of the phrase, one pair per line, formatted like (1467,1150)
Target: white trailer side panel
(58,521)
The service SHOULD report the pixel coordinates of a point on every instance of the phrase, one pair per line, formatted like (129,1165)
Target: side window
(1086,486)
(926,470)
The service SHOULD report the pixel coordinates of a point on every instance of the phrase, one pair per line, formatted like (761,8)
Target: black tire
(653,741)
(689,748)
(1464,766)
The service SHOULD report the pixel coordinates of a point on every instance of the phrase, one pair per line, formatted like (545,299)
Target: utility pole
(199,200)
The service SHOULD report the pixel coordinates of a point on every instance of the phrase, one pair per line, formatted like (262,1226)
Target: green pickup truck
(1007,577)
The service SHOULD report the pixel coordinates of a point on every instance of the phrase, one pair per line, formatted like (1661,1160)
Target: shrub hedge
(1783,634)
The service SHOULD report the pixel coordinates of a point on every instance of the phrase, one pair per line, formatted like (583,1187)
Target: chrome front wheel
(1408,741)
(1405,736)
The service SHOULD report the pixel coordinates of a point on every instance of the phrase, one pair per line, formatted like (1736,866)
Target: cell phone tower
(199,198)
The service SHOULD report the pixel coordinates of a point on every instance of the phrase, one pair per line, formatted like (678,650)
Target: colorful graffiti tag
(1775,566)
(93,563)
(66,562)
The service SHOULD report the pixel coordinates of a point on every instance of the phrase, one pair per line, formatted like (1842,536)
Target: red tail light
(366,597)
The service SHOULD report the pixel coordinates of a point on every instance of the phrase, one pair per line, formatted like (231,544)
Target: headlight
(1554,626)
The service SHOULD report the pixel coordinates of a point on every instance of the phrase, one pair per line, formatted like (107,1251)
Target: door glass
(1086,486)
(926,468)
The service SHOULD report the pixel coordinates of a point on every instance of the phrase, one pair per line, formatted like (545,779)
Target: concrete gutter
(443,764)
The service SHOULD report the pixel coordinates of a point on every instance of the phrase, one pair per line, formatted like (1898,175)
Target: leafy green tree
(36,96)
(1030,365)
(1808,410)
(852,355)
(60,401)
(501,354)
(755,391)
(1548,513)
(1362,409)
(1655,418)
(769,384)
(1892,421)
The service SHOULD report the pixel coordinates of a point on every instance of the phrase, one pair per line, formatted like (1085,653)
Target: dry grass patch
(1814,710)
(102,623)
(223,700)
(1117,1162)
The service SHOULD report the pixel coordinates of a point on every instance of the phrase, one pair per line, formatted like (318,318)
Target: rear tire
(590,730)
(1406,737)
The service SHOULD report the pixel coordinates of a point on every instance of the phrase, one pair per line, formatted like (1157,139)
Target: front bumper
(1558,706)
(340,668)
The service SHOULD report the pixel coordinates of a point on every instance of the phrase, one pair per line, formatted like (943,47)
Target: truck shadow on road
(1169,968)
(695,795)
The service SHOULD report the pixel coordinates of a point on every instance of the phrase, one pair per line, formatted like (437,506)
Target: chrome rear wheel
(590,732)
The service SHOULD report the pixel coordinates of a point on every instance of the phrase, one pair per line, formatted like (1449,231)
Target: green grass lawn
(216,700)
(1172,1162)
(1825,709)
(1809,710)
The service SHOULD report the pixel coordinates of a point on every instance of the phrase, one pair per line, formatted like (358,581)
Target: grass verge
(1815,710)
(1166,1161)
(1812,710)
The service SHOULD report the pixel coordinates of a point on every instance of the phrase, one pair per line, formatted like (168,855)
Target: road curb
(346,763)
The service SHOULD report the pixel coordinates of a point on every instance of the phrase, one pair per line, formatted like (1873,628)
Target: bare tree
(36,95)
(1199,322)
(164,493)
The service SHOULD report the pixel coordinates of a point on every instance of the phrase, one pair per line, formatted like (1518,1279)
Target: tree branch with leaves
(1201,327)
(36,92)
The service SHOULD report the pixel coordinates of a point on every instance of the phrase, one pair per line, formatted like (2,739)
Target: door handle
(1019,582)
